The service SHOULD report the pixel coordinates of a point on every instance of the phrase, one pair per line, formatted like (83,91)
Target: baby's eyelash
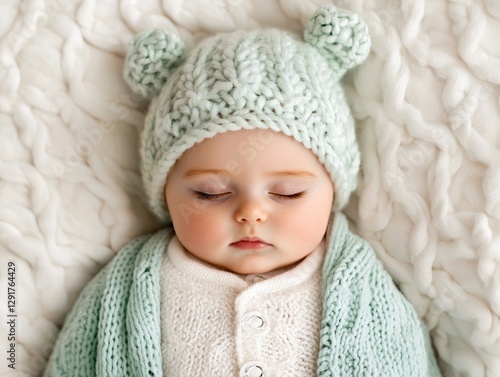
(291,196)
(206,196)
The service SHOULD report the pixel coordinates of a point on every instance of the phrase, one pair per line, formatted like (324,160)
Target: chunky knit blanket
(368,328)
(426,103)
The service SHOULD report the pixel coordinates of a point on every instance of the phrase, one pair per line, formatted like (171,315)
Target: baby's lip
(251,239)
(250,243)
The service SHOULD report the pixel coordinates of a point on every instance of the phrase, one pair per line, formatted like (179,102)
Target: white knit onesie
(217,323)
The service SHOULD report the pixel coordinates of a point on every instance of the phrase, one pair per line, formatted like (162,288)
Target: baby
(248,155)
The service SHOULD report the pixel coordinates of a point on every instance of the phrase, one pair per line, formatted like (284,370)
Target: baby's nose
(251,210)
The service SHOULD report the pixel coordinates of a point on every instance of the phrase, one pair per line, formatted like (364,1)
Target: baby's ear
(151,58)
(340,36)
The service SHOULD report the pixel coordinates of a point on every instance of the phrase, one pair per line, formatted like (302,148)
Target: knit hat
(266,79)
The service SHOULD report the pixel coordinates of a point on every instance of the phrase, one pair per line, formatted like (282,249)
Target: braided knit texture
(268,79)
(340,36)
(152,57)
(426,104)
(368,328)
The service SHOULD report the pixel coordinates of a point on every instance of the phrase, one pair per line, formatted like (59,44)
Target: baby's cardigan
(225,324)
(368,328)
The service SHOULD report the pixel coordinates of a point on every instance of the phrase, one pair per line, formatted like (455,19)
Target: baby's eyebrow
(196,172)
(278,173)
(292,173)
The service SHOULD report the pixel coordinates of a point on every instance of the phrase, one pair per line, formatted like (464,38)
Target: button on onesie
(216,322)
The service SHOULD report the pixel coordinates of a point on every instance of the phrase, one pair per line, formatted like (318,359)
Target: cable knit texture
(151,58)
(266,79)
(340,37)
(368,328)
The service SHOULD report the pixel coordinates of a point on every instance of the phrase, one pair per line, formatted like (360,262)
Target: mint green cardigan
(368,328)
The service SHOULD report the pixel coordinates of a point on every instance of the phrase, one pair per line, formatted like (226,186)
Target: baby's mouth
(250,243)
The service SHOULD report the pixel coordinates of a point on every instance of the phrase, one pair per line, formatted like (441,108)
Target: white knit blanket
(427,106)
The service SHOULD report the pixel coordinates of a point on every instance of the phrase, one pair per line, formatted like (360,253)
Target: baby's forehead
(234,152)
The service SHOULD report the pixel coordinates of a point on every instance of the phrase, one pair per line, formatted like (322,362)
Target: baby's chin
(258,269)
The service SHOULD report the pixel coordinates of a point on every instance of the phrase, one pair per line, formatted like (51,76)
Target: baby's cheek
(199,230)
(309,226)
(306,232)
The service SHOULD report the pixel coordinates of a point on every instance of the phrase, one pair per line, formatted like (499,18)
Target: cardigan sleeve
(75,350)
(80,345)
(400,340)
(369,328)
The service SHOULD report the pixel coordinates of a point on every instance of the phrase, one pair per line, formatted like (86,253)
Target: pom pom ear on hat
(341,36)
(151,58)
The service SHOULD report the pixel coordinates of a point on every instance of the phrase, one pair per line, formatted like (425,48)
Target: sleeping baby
(248,155)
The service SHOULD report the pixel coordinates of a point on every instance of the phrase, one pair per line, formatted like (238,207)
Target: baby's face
(249,201)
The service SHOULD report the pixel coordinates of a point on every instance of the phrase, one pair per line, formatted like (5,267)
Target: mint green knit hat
(266,79)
